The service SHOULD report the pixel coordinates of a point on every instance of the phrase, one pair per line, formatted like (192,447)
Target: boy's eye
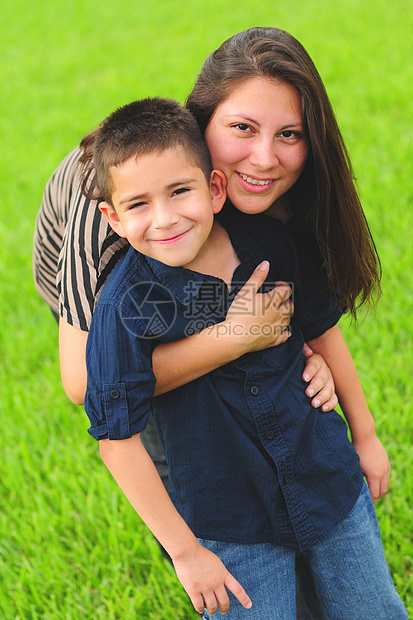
(180,190)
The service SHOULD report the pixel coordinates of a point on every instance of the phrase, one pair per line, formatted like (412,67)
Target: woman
(315,196)
(71,232)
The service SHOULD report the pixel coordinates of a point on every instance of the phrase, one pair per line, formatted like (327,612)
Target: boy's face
(164,205)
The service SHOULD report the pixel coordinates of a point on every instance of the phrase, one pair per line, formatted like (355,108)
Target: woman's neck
(279,210)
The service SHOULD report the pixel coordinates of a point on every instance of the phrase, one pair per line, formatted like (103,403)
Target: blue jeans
(348,568)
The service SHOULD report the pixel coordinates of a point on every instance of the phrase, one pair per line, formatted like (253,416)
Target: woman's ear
(113,218)
(218,189)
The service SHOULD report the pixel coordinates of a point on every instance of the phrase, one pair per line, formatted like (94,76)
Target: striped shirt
(75,249)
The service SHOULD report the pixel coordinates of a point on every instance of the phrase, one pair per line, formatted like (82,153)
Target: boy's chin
(171,261)
(178,257)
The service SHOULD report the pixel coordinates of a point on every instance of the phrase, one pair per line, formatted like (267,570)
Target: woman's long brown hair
(325,210)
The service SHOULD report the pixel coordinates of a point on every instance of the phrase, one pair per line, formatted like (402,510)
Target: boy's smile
(164,205)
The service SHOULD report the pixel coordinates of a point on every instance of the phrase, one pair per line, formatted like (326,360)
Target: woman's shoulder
(66,172)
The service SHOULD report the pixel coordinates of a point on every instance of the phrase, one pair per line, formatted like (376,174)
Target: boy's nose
(163,215)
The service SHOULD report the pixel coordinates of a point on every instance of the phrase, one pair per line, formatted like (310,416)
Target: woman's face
(256,137)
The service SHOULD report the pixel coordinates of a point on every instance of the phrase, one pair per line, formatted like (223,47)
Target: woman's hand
(321,382)
(259,320)
(254,322)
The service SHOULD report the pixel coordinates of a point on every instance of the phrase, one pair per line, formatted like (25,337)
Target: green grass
(71,547)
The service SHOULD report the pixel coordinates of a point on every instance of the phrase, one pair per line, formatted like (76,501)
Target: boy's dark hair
(150,125)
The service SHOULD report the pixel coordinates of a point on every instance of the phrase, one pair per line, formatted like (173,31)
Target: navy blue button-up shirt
(250,460)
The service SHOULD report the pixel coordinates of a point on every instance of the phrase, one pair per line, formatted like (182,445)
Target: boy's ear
(112,217)
(218,189)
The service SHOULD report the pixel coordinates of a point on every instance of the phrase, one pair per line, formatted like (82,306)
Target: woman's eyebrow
(292,126)
(247,119)
(239,115)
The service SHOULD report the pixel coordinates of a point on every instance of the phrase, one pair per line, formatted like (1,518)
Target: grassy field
(71,547)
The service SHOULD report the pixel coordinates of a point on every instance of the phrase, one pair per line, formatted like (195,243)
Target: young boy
(255,475)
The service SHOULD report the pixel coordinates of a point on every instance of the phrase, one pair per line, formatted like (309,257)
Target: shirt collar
(184,284)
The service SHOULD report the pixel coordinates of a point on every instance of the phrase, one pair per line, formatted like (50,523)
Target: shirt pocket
(281,355)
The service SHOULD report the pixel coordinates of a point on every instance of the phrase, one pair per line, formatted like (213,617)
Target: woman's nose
(264,154)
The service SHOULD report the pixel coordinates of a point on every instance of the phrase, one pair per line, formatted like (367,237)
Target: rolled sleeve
(116,412)
(117,409)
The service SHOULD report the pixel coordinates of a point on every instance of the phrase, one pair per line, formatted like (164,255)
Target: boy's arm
(373,457)
(201,572)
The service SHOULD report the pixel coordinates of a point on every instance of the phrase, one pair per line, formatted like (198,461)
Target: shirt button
(269,434)
(254,390)
(114,394)
(286,479)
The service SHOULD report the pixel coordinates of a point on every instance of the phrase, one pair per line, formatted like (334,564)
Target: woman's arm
(176,363)
(201,572)
(182,361)
(244,330)
(179,362)
(72,357)
(373,457)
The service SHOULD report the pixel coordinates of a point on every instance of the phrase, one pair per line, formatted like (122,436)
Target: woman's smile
(256,137)
(254,184)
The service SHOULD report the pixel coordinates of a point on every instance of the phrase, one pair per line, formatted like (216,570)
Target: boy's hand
(375,465)
(260,319)
(321,382)
(205,580)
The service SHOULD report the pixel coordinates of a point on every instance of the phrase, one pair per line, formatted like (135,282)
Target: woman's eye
(289,133)
(242,127)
